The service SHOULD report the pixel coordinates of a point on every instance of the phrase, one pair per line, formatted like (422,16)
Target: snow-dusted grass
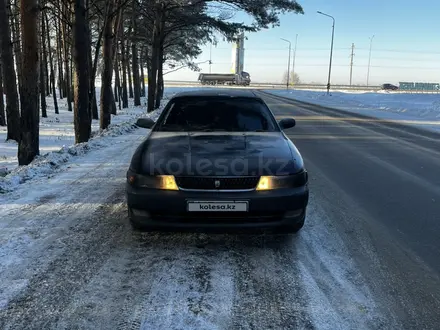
(422,110)
(57,142)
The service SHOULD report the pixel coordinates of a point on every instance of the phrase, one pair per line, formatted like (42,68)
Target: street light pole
(331,51)
(294,57)
(369,60)
(288,63)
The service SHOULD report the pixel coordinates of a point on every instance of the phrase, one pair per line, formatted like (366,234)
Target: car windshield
(218,114)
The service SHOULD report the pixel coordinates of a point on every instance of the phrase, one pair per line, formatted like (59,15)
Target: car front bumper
(164,209)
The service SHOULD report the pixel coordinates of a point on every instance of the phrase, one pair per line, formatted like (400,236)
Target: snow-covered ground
(57,142)
(421,110)
(56,131)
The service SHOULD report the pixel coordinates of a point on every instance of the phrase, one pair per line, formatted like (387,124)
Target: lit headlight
(265,183)
(163,182)
(280,182)
(166,182)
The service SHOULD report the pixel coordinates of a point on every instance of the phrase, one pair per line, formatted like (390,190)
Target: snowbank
(55,131)
(421,110)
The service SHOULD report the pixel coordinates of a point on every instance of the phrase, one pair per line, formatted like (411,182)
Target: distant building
(419,86)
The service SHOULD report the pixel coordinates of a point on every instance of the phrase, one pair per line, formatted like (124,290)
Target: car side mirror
(145,122)
(287,123)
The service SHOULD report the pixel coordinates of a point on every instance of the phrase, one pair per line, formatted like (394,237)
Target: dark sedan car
(217,159)
(389,87)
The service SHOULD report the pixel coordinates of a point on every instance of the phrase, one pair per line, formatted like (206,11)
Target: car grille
(223,183)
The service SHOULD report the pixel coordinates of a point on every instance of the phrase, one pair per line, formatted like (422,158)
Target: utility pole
(351,64)
(369,60)
(294,57)
(288,62)
(331,51)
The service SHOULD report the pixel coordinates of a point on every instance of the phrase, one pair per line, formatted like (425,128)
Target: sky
(405,45)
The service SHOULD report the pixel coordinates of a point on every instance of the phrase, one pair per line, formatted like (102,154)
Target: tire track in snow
(339,297)
(156,281)
(110,299)
(89,243)
(269,293)
(30,239)
(197,291)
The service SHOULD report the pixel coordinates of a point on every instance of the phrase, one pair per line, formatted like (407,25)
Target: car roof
(220,92)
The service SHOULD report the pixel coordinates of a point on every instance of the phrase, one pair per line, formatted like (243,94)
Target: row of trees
(59,47)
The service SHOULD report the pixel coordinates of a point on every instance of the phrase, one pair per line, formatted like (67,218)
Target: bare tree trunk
(127,48)
(117,79)
(81,90)
(14,12)
(42,76)
(93,99)
(52,71)
(106,89)
(44,51)
(129,75)
(124,76)
(28,146)
(2,105)
(61,84)
(141,64)
(71,64)
(118,30)
(152,81)
(135,58)
(160,85)
(116,86)
(92,91)
(67,75)
(10,79)
(42,91)
(136,79)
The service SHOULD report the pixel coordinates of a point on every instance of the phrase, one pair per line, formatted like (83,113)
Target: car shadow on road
(218,240)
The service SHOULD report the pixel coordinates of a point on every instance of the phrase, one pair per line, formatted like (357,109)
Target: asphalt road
(380,184)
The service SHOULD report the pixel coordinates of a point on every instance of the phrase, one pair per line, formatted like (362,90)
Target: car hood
(219,154)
